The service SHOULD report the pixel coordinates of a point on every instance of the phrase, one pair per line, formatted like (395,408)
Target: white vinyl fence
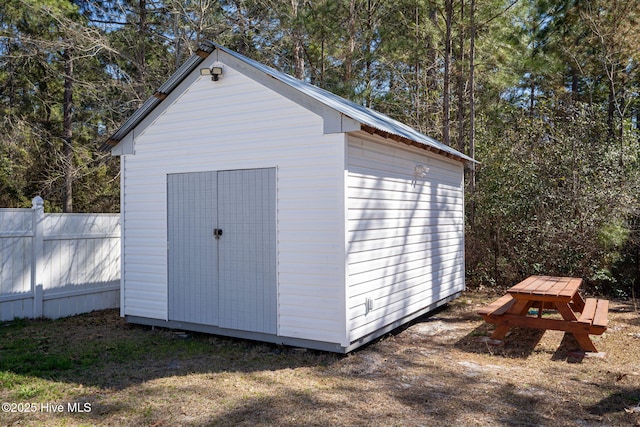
(56,265)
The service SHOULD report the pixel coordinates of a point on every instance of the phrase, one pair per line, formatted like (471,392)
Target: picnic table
(580,317)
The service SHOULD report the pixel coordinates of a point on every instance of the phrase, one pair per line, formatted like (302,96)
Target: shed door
(192,214)
(228,282)
(246,209)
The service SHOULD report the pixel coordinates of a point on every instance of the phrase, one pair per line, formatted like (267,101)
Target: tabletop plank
(572,286)
(557,286)
(546,287)
(528,285)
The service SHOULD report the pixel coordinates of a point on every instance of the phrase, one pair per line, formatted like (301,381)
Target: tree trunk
(298,48)
(351,44)
(67,132)
(611,112)
(574,84)
(322,64)
(447,74)
(638,123)
(532,96)
(418,89)
(140,52)
(368,59)
(177,41)
(472,108)
(461,83)
(432,78)
(243,43)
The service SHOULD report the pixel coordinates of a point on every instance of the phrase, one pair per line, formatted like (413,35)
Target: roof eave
(163,91)
(374,131)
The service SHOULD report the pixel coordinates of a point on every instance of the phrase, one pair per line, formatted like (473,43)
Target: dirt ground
(536,378)
(438,371)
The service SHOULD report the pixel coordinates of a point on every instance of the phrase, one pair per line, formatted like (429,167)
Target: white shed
(258,206)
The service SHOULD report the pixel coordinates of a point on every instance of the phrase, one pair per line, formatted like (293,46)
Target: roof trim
(373,131)
(163,91)
(339,114)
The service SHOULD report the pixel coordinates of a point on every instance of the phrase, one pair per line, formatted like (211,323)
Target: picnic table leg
(520,308)
(500,331)
(540,309)
(577,303)
(585,342)
(568,314)
(565,310)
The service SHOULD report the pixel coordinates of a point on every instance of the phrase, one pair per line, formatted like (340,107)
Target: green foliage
(614,234)
(553,197)
(556,101)
(37,36)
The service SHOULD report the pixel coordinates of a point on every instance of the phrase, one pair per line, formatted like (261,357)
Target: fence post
(37,260)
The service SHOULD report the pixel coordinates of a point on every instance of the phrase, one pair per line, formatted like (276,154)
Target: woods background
(543,93)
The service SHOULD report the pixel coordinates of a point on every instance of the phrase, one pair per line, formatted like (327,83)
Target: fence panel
(16,252)
(16,235)
(57,265)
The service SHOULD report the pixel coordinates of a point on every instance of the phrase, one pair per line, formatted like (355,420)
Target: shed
(258,206)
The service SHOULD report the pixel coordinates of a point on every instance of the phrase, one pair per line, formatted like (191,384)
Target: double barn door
(222,249)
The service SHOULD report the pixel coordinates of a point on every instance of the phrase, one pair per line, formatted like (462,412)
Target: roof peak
(371,121)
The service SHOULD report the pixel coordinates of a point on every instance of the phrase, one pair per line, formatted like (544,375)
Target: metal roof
(371,121)
(189,65)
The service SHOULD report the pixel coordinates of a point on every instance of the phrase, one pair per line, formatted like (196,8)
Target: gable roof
(370,121)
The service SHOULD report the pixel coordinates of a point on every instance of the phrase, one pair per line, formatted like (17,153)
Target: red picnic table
(580,317)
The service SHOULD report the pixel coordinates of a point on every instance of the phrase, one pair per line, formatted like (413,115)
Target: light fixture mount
(215,72)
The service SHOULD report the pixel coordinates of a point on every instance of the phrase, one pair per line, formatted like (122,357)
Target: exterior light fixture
(214,72)
(420,171)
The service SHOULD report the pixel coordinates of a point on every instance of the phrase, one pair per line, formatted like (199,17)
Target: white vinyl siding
(405,233)
(234,124)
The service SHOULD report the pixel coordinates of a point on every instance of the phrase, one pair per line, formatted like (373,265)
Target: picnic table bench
(553,293)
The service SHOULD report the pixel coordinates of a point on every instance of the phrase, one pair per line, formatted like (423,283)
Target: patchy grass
(436,371)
